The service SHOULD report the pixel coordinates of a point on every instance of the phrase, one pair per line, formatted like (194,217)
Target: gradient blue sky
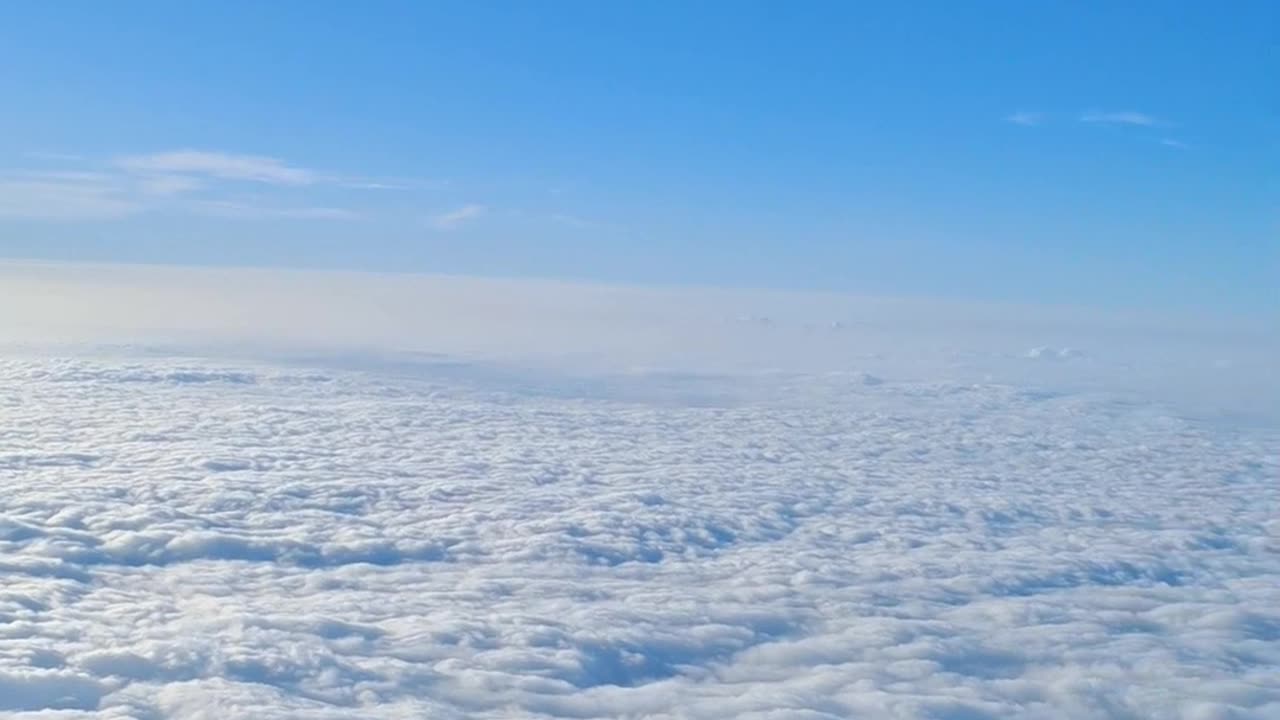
(1087,153)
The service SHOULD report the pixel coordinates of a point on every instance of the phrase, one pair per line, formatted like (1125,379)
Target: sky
(639,359)
(1065,153)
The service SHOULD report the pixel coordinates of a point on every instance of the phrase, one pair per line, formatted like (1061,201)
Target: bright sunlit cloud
(301,492)
(711,360)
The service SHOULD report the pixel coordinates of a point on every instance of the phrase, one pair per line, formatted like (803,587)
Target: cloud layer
(1202,365)
(260,494)
(186,538)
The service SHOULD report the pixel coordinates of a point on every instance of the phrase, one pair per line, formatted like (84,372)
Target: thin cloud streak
(456,218)
(63,199)
(167,185)
(1025,118)
(184,181)
(244,210)
(1118,118)
(53,156)
(224,166)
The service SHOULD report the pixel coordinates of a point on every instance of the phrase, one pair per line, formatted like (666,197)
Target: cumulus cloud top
(254,494)
(186,538)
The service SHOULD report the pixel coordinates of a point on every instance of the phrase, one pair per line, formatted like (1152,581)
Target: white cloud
(906,518)
(169,184)
(188,537)
(180,181)
(1023,117)
(64,198)
(86,196)
(67,176)
(575,221)
(1119,118)
(318,213)
(613,329)
(53,156)
(224,166)
(1170,142)
(250,168)
(249,210)
(356,184)
(456,218)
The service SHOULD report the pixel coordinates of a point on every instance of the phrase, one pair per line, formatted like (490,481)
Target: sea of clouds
(251,494)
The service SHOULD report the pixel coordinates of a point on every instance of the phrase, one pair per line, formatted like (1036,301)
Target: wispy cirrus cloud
(241,209)
(453,219)
(181,181)
(362,184)
(53,156)
(166,185)
(237,167)
(1025,118)
(33,197)
(223,166)
(1127,117)
(575,221)
(95,196)
(579,222)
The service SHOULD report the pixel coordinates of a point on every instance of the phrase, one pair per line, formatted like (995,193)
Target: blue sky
(1080,153)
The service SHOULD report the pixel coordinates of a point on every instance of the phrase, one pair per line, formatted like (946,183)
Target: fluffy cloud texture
(202,540)
(666,530)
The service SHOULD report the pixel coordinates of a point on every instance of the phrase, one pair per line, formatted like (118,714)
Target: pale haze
(579,360)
